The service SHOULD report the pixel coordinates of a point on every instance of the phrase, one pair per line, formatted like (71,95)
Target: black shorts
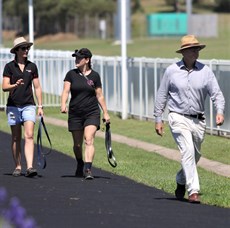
(81,120)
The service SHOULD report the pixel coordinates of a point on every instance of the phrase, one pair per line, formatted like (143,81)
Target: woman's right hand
(19,82)
(63,109)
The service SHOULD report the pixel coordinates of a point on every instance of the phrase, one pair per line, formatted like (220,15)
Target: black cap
(82,53)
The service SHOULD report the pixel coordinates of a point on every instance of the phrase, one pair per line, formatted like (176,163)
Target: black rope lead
(41,154)
(108,146)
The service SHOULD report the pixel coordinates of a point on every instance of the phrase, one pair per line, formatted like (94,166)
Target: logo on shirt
(91,83)
(29,71)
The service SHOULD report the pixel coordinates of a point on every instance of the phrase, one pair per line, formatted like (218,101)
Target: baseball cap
(82,53)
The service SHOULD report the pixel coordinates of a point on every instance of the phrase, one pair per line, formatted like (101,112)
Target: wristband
(40,106)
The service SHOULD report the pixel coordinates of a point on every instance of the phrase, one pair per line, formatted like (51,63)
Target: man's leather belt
(199,116)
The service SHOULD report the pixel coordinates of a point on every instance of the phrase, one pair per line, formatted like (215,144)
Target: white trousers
(189,134)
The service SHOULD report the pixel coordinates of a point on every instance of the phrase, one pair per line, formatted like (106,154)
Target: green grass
(218,48)
(214,147)
(144,167)
(142,45)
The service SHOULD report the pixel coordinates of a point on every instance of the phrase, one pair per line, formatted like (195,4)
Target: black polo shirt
(83,96)
(22,95)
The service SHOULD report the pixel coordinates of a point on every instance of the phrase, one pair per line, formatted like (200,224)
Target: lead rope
(40,153)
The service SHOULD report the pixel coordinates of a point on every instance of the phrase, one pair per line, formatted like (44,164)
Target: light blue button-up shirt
(186,91)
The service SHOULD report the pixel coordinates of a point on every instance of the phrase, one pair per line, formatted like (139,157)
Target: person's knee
(29,136)
(16,138)
(77,147)
(88,142)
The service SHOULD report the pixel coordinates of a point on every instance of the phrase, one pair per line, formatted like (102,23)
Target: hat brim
(191,46)
(78,55)
(12,50)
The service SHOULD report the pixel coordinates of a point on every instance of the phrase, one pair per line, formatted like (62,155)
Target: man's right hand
(159,127)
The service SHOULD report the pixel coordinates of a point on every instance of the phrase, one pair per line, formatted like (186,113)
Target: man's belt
(199,116)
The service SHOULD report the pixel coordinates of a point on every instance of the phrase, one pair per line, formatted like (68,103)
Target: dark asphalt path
(58,199)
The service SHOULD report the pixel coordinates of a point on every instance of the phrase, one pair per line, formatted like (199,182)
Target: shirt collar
(181,65)
(15,61)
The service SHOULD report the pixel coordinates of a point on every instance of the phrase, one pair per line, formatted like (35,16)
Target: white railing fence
(144,75)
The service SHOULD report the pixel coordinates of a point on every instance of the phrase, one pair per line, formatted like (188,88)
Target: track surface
(58,199)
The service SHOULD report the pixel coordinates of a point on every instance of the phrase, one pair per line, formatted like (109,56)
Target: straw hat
(189,41)
(19,42)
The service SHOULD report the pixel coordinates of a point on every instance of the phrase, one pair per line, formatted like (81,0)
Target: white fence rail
(144,75)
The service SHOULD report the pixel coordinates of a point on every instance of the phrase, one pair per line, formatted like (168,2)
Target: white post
(124,61)
(0,23)
(31,28)
(189,14)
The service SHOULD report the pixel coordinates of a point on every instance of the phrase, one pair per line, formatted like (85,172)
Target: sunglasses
(77,58)
(194,49)
(25,48)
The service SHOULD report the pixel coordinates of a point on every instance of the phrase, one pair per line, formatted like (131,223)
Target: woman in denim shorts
(87,98)
(20,76)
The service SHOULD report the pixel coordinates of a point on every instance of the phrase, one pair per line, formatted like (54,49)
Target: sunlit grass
(214,147)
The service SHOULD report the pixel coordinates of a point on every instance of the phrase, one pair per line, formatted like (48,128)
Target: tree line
(216,5)
(81,17)
(51,16)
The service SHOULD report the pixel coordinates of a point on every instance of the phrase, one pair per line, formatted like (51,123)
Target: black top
(22,95)
(83,96)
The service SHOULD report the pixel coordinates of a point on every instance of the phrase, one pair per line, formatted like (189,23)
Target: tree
(54,16)
(11,8)
(223,5)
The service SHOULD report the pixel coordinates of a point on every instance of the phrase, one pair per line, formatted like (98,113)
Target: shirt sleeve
(161,98)
(68,77)
(7,71)
(97,81)
(35,72)
(215,93)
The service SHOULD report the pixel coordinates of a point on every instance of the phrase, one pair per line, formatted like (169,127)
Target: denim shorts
(18,115)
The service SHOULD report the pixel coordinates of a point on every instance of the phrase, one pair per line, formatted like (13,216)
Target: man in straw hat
(19,76)
(184,88)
